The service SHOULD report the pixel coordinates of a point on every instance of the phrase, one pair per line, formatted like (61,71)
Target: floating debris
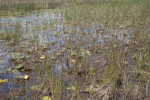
(15,71)
(47,98)
(125,34)
(26,77)
(36,87)
(8,69)
(2,61)
(19,66)
(3,81)
(15,54)
(71,88)
(43,57)
(88,52)
(2,66)
(97,61)
(73,61)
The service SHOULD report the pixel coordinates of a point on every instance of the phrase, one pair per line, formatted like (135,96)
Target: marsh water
(45,32)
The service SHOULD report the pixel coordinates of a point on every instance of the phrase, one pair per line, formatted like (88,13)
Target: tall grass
(114,14)
(118,14)
(10,7)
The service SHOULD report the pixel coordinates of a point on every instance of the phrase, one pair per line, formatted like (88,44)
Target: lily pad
(2,40)
(19,66)
(2,61)
(47,98)
(36,87)
(27,56)
(53,58)
(26,77)
(88,52)
(97,61)
(43,57)
(58,54)
(15,54)
(71,88)
(125,34)
(2,66)
(15,71)
(3,81)
(73,61)
(19,77)
(9,69)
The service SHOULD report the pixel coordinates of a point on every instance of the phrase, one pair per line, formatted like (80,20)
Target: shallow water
(40,29)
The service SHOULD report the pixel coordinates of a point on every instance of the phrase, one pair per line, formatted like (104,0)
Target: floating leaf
(20,57)
(9,69)
(53,58)
(71,88)
(2,40)
(19,77)
(2,61)
(73,53)
(58,54)
(91,92)
(15,54)
(3,81)
(83,53)
(125,34)
(15,71)
(88,52)
(128,42)
(121,26)
(47,98)
(26,77)
(97,61)
(63,50)
(19,66)
(27,56)
(73,61)
(36,87)
(125,62)
(134,56)
(115,46)
(2,66)
(43,57)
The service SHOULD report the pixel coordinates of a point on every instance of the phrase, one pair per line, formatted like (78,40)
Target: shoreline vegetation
(15,7)
(125,70)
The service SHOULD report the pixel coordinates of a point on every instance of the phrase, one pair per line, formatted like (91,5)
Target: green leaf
(3,81)
(19,77)
(36,87)
(19,66)
(88,52)
(15,71)
(43,57)
(2,61)
(71,88)
(2,40)
(2,66)
(9,69)
(15,54)
(47,98)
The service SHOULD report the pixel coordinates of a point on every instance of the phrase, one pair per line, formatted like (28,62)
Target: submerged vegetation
(75,50)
